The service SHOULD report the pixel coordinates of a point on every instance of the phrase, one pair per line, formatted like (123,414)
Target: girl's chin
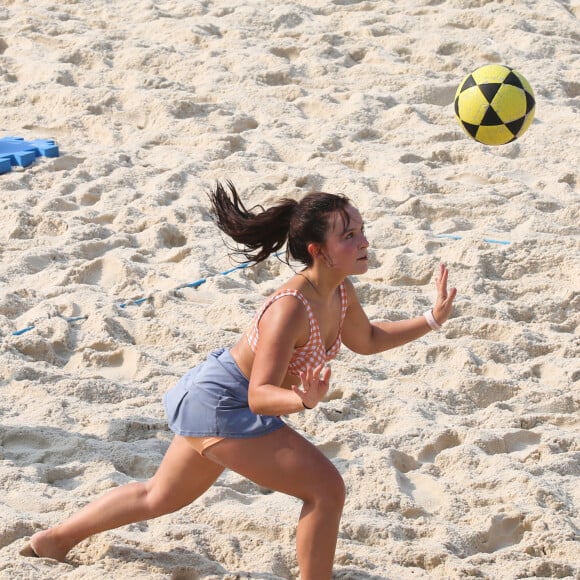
(362,266)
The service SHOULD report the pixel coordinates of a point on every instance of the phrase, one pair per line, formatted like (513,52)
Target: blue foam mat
(17,151)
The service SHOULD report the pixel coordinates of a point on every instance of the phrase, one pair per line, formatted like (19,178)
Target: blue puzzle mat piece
(17,151)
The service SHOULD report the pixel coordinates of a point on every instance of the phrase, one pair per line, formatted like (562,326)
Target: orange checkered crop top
(313,352)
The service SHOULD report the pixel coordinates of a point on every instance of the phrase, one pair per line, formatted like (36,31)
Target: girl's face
(346,244)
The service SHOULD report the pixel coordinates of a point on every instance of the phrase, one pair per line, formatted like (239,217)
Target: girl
(226,412)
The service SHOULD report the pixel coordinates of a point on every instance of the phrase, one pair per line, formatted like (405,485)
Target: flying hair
(260,232)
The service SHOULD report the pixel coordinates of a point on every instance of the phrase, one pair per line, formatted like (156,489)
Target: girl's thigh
(283,461)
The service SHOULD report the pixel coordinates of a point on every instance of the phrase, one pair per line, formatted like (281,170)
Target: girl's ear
(317,252)
(313,249)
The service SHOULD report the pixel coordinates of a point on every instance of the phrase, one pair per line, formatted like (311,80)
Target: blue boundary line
(488,240)
(69,319)
(139,301)
(198,283)
(195,284)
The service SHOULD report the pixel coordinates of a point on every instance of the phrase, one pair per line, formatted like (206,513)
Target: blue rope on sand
(195,284)
(198,283)
(488,240)
(32,327)
(22,331)
(138,301)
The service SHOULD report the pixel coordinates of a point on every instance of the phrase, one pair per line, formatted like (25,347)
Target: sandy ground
(460,451)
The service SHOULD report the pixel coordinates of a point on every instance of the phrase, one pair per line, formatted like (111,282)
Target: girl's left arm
(365,337)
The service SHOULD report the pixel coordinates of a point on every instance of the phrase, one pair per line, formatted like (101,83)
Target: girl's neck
(322,285)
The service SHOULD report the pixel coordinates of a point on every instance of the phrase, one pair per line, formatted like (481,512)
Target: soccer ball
(495,104)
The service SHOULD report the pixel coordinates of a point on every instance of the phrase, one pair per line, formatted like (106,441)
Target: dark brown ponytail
(261,232)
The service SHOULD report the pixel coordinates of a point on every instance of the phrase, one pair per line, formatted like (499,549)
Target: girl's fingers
(443,274)
(445,296)
(314,385)
(442,282)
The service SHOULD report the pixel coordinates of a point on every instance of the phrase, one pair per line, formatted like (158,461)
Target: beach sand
(460,451)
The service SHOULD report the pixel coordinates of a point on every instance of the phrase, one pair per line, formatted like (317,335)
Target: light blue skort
(211,400)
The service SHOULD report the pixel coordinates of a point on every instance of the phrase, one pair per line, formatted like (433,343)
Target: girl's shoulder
(287,298)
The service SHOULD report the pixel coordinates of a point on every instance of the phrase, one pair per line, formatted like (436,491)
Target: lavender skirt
(211,400)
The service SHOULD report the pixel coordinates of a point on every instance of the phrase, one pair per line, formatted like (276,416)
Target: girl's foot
(45,545)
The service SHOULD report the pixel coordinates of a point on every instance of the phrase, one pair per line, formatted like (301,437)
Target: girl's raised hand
(444,302)
(315,384)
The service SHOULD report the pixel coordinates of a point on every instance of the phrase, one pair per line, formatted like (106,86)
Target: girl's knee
(338,493)
(160,501)
(330,489)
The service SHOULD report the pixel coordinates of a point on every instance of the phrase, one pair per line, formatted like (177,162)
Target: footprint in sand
(139,460)
(90,197)
(505,530)
(446,440)
(335,450)
(101,272)
(65,477)
(25,446)
(424,490)
(517,443)
(401,461)
(483,392)
(117,365)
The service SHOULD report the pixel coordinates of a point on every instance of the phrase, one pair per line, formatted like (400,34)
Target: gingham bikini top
(313,352)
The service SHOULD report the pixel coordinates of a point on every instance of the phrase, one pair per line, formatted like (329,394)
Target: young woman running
(225,412)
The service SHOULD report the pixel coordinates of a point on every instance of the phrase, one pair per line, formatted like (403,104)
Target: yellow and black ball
(495,104)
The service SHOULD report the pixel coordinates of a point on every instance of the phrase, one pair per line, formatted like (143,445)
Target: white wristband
(433,324)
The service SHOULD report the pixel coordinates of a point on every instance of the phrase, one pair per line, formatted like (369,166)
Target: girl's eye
(351,234)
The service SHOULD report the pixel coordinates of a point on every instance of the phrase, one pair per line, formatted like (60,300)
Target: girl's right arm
(283,326)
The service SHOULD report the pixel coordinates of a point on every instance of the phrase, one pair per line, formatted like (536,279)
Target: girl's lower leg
(316,538)
(121,506)
(182,477)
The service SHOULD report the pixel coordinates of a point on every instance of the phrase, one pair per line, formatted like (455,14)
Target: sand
(460,451)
